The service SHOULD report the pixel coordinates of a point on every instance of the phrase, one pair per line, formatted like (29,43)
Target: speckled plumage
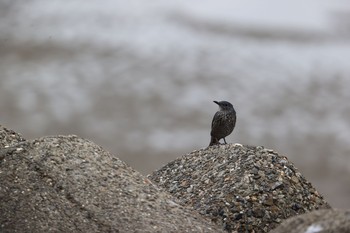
(223,123)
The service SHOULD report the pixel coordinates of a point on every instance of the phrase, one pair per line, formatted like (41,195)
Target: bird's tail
(213,141)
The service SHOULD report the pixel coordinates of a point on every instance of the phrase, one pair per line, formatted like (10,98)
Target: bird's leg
(214,141)
(225,141)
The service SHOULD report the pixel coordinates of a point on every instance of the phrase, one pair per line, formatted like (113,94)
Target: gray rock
(242,188)
(319,221)
(9,137)
(68,184)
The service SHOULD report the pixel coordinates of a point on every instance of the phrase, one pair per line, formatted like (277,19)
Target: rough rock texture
(9,137)
(321,221)
(68,184)
(242,188)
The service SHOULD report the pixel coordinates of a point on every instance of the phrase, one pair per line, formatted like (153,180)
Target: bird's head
(224,105)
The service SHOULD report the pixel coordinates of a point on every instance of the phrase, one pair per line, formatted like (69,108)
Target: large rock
(242,188)
(68,184)
(319,221)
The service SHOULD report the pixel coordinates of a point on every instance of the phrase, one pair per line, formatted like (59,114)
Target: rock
(321,221)
(242,188)
(69,184)
(9,137)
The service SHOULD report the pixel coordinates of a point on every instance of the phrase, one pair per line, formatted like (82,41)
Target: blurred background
(139,78)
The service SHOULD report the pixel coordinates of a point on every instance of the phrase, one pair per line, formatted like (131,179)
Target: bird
(223,123)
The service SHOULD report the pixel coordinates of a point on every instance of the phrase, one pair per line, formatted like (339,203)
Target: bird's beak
(216,102)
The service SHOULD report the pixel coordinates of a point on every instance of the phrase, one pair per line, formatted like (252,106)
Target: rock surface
(320,221)
(69,184)
(242,188)
(9,137)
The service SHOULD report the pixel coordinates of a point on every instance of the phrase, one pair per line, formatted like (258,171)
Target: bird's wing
(216,122)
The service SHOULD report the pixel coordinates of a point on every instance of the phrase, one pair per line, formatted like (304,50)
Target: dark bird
(223,123)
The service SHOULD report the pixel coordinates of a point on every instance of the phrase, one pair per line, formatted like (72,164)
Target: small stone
(295,179)
(276,185)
